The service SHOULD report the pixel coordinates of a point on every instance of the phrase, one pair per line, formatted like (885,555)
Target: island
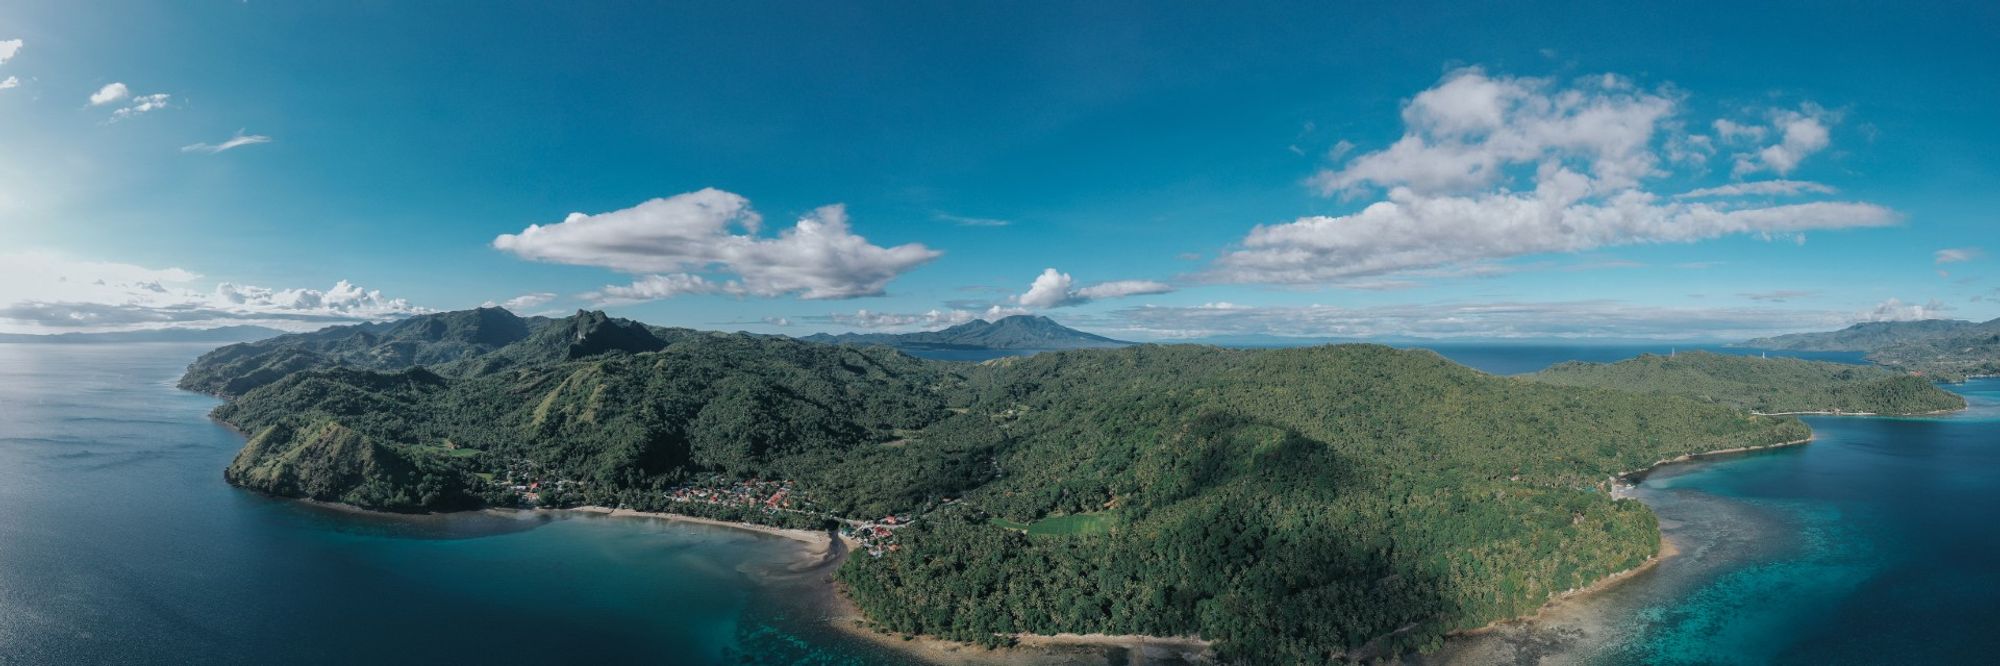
(1284,505)
(1764,385)
(1949,350)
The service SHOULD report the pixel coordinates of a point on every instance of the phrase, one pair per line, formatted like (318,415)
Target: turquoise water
(1879,547)
(119,543)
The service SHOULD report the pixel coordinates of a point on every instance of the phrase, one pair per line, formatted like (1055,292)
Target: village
(772,499)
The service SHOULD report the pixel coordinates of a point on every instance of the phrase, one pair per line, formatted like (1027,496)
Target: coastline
(1640,474)
(1935,412)
(1030,649)
(827,552)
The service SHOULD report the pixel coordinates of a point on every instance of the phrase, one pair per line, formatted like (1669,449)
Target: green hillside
(1763,384)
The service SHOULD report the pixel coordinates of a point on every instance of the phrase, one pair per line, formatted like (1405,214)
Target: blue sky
(1441,171)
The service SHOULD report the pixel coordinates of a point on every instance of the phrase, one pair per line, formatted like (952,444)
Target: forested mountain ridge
(1292,505)
(1763,384)
(453,343)
(1944,349)
(1863,337)
(1013,332)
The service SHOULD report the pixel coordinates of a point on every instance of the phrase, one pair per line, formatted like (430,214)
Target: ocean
(121,544)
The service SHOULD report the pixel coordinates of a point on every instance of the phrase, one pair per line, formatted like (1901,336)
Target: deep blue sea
(119,543)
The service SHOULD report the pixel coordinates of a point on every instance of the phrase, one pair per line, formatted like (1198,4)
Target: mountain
(220,334)
(461,342)
(1953,356)
(1014,332)
(1291,505)
(1862,337)
(1768,385)
(1947,349)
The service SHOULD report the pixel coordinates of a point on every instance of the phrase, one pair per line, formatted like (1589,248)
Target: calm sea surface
(119,543)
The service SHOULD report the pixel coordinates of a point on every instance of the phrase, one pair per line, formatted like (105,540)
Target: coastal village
(768,498)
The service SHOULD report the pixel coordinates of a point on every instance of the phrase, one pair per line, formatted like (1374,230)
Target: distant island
(1289,505)
(1014,332)
(1944,349)
(1766,385)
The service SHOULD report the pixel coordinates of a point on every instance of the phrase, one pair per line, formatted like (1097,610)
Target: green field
(1073,524)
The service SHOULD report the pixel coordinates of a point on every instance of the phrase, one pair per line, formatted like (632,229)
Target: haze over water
(121,544)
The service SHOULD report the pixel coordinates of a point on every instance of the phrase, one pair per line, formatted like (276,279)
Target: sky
(1151,171)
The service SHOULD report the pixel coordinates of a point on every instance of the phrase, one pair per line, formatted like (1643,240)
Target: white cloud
(1802,133)
(10,82)
(964,221)
(888,320)
(1499,167)
(9,47)
(777,321)
(1055,289)
(111,92)
(818,258)
(1897,310)
(237,141)
(1734,132)
(1464,133)
(522,302)
(656,287)
(142,104)
(1410,231)
(43,292)
(1957,254)
(1776,188)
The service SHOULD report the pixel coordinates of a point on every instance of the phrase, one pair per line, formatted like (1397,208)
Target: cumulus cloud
(1495,320)
(111,92)
(1734,132)
(1055,289)
(9,47)
(1801,133)
(711,231)
(10,82)
(42,292)
(237,141)
(1499,167)
(1774,188)
(1952,255)
(522,302)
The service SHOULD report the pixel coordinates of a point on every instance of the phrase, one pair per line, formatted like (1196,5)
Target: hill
(1862,337)
(1768,385)
(1292,505)
(1015,332)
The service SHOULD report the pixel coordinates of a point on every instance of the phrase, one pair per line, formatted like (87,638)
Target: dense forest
(1292,505)
(1763,384)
